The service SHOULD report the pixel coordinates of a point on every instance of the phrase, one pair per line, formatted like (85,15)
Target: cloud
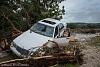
(82,10)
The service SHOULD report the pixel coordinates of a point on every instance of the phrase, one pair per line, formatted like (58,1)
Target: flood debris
(50,57)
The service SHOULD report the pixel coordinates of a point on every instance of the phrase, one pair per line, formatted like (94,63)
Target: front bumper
(13,49)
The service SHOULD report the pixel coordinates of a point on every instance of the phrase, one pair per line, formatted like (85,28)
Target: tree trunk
(13,26)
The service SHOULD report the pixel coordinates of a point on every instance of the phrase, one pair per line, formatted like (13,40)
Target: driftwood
(44,61)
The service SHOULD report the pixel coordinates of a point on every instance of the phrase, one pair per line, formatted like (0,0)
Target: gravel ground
(91,53)
(91,56)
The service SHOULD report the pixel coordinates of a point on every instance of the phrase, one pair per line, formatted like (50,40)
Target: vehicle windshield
(43,29)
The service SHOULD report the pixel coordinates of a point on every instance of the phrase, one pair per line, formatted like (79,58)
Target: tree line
(84,25)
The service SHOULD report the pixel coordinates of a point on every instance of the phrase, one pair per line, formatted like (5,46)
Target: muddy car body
(40,33)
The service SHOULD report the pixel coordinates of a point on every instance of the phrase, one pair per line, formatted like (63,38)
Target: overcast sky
(82,10)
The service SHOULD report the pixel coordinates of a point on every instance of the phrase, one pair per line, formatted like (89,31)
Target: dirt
(91,57)
(91,53)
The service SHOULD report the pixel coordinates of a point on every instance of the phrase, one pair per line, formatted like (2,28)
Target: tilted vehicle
(40,33)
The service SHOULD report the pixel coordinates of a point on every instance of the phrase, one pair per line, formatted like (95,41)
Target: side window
(56,31)
(61,26)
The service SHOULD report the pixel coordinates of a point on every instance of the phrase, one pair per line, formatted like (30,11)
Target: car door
(61,29)
(62,41)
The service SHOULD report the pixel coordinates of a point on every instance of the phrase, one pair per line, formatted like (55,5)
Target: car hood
(29,40)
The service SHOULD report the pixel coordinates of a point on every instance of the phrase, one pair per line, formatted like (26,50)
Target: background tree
(20,15)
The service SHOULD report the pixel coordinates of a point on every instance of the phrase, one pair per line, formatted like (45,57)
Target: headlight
(12,44)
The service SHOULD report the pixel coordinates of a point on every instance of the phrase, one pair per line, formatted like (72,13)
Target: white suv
(40,33)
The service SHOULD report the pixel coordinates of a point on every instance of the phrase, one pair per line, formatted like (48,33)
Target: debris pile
(47,56)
